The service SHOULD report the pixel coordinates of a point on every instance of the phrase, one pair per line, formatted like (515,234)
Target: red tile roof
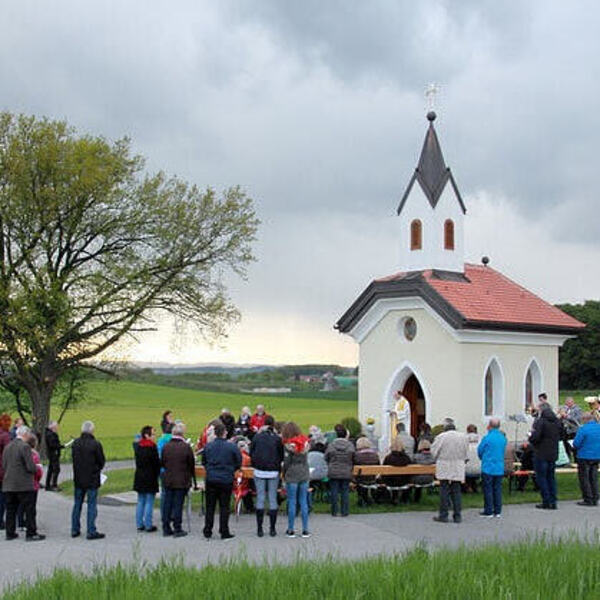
(488,296)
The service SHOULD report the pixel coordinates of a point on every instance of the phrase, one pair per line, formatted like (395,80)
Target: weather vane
(430,95)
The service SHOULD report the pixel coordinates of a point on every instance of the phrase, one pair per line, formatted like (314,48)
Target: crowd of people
(288,464)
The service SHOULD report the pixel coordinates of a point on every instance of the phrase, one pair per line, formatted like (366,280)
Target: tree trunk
(40,395)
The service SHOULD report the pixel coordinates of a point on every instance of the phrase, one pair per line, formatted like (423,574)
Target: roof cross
(430,95)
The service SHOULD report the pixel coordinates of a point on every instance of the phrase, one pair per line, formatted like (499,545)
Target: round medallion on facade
(407,328)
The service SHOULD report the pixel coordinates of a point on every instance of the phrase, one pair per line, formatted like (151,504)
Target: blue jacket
(221,459)
(491,452)
(587,441)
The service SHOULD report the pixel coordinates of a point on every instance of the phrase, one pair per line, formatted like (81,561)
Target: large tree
(580,357)
(93,248)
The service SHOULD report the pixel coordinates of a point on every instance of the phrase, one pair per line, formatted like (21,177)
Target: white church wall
(432,255)
(384,351)
(451,373)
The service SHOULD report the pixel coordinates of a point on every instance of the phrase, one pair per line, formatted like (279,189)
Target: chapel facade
(455,339)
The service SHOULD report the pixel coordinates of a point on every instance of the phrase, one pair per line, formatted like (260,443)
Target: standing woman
(5,421)
(296,475)
(145,483)
(266,454)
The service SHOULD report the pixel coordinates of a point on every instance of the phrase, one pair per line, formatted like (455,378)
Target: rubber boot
(273,520)
(259,522)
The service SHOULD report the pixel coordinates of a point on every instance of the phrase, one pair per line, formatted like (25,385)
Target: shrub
(353,426)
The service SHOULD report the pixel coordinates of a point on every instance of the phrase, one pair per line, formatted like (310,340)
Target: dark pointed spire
(431,172)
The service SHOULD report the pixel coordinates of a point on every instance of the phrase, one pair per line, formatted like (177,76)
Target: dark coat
(88,461)
(266,451)
(397,459)
(340,459)
(221,459)
(4,441)
(179,464)
(19,467)
(53,444)
(147,468)
(546,432)
(367,456)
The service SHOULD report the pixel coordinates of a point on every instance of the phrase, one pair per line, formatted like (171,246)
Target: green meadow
(120,409)
(539,569)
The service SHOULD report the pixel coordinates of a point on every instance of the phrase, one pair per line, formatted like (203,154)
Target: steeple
(431,223)
(431,172)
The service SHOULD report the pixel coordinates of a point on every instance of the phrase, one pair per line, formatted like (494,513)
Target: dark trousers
(544,476)
(588,479)
(450,493)
(221,493)
(341,488)
(13,500)
(53,471)
(173,508)
(492,494)
(2,507)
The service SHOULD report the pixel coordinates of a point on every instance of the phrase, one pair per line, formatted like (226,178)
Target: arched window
(493,390)
(533,384)
(416,235)
(449,234)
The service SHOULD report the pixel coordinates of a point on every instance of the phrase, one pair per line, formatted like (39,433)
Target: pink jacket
(39,470)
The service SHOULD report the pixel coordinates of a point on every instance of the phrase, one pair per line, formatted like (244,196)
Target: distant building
(459,340)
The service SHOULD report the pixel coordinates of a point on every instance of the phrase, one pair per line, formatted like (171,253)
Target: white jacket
(450,453)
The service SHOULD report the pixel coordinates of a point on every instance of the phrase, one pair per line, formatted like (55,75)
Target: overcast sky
(316,109)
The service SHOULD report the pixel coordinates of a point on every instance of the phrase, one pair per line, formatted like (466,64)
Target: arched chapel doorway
(407,381)
(413,392)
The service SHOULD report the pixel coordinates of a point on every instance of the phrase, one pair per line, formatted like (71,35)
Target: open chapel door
(414,394)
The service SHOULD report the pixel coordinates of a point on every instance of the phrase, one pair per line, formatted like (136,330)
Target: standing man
(221,460)
(53,446)
(18,485)
(177,459)
(587,444)
(545,436)
(449,451)
(88,462)
(491,452)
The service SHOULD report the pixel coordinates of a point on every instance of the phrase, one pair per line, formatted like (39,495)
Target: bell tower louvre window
(449,234)
(416,235)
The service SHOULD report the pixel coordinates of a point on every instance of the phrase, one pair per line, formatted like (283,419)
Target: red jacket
(257,421)
(4,441)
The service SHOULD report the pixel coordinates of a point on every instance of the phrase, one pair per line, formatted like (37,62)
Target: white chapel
(455,339)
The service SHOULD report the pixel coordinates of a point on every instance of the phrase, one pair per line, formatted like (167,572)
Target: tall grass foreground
(536,569)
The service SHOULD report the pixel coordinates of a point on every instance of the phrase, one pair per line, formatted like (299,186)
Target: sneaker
(227,536)
(95,536)
(179,534)
(36,537)
(290,533)
(498,516)
(487,515)
(306,534)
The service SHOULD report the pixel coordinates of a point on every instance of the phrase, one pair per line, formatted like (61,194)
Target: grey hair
(23,431)
(494,423)
(179,428)
(449,424)
(52,424)
(87,427)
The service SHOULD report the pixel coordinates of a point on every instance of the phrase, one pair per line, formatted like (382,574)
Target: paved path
(66,469)
(352,537)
